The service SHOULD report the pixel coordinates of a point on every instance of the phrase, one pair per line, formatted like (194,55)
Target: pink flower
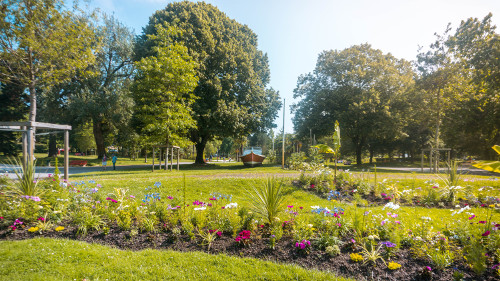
(13,227)
(398,222)
(389,214)
(290,206)
(471,217)
(301,208)
(428,268)
(353,241)
(312,185)
(219,233)
(486,233)
(170,197)
(223,207)
(435,186)
(383,195)
(41,219)
(1,218)
(296,244)
(394,215)
(483,222)
(339,224)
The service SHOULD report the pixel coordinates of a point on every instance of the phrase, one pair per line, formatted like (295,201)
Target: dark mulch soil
(285,252)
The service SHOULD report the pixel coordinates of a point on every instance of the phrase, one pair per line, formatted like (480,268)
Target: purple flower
(388,244)
(170,197)
(486,233)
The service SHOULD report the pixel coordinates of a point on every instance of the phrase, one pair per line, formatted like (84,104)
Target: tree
(14,108)
(476,47)
(360,87)
(163,92)
(231,97)
(103,98)
(42,45)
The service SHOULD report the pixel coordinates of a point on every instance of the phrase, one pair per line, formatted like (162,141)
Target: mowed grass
(53,259)
(225,179)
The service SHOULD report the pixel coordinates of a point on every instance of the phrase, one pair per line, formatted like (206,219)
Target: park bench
(82,163)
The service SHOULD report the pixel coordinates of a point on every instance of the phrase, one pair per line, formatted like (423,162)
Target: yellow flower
(33,229)
(393,265)
(60,228)
(356,257)
(492,206)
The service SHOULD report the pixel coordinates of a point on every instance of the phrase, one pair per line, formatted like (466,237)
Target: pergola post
(160,158)
(166,159)
(422,161)
(66,155)
(25,146)
(172,159)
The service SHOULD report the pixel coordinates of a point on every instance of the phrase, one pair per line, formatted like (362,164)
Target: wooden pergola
(28,138)
(434,160)
(166,149)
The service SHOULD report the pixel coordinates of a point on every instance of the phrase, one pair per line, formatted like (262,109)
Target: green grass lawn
(51,259)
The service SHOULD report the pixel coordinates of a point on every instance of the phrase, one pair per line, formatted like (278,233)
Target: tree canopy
(232,99)
(360,87)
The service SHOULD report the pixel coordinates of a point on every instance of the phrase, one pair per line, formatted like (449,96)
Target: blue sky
(294,32)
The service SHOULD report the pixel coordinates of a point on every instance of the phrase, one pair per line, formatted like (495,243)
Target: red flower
(486,233)
(483,222)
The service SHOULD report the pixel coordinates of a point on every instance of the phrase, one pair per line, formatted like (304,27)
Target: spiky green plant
(266,201)
(26,183)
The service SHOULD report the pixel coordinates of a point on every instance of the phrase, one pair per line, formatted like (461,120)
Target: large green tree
(474,125)
(103,98)
(42,44)
(360,87)
(232,100)
(163,92)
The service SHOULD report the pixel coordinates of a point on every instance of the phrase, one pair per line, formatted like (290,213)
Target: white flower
(231,205)
(391,205)
(314,207)
(426,218)
(200,208)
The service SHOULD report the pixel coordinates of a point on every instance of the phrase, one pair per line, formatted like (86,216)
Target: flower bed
(351,241)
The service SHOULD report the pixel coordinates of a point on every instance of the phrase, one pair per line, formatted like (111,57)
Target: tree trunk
(99,138)
(371,155)
(200,148)
(359,149)
(52,145)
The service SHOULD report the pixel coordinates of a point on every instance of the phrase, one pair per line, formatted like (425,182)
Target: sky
(293,33)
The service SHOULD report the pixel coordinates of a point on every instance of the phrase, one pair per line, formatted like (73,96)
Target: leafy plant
(267,201)
(149,224)
(208,237)
(85,220)
(475,256)
(332,250)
